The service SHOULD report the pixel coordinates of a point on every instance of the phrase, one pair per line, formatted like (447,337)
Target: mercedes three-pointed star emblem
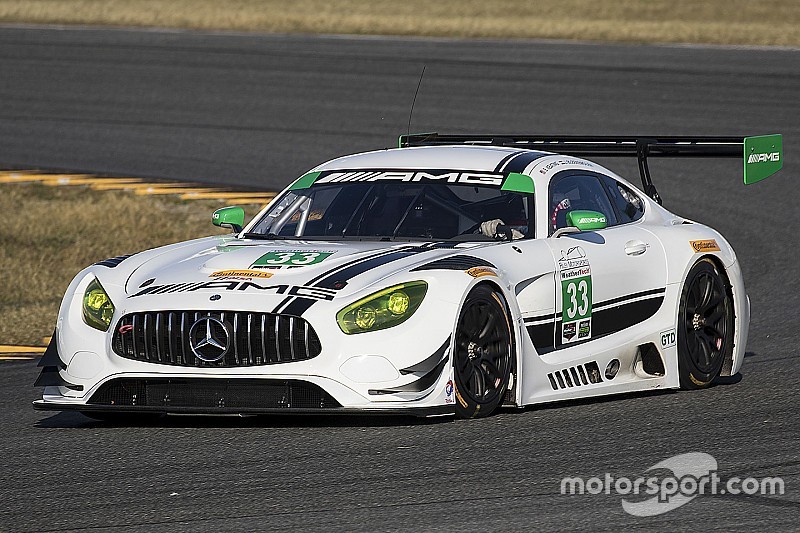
(209,339)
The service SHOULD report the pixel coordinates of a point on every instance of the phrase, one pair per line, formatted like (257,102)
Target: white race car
(455,274)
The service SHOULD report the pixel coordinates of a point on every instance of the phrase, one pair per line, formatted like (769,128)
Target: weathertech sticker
(708,245)
(576,295)
(290,259)
(240,274)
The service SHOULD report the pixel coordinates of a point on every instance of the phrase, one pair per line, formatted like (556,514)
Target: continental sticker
(479,272)
(707,245)
(240,274)
(576,295)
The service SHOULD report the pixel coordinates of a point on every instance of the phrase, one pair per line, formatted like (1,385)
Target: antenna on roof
(411,113)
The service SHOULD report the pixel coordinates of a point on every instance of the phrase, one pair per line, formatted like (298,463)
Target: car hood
(246,265)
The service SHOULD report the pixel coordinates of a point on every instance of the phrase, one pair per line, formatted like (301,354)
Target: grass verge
(51,233)
(708,21)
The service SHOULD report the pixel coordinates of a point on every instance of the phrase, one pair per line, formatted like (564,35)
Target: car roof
(480,158)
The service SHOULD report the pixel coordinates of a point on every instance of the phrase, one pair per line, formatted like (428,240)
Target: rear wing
(762,156)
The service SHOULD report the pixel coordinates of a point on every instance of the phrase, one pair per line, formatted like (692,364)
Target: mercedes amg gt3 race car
(454,274)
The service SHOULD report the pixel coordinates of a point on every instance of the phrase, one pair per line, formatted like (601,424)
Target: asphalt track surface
(259,110)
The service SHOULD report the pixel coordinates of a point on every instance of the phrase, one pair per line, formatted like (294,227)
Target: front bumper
(401,369)
(290,388)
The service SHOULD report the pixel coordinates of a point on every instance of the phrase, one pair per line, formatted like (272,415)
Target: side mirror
(579,220)
(229,217)
(586,220)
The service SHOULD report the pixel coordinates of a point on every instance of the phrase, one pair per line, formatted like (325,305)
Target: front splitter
(41,405)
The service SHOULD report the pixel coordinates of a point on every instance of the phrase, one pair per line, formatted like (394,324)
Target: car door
(606,280)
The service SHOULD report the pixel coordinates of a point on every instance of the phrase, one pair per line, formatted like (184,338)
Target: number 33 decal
(289,259)
(305,258)
(576,298)
(577,292)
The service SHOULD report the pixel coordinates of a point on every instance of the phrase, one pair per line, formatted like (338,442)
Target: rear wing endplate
(762,156)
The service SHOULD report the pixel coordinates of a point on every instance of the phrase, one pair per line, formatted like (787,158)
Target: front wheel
(483,353)
(705,326)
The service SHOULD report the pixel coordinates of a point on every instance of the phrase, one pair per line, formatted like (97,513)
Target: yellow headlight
(365,317)
(97,306)
(398,303)
(382,309)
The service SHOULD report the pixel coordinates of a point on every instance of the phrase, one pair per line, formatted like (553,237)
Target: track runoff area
(138,186)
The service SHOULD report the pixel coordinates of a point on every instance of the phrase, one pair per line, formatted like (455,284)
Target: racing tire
(705,326)
(483,353)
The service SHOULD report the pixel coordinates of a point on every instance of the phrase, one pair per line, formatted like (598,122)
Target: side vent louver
(575,376)
(113,261)
(455,262)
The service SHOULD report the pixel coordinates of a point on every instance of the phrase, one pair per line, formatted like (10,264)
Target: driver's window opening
(578,192)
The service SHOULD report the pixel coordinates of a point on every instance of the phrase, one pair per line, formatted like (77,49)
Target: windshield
(390,210)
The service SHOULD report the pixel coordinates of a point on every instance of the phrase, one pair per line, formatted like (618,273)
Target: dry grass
(50,233)
(697,21)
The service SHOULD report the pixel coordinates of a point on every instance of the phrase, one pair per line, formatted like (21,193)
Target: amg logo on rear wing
(761,158)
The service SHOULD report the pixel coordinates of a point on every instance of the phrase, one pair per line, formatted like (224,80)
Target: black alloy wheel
(483,353)
(705,332)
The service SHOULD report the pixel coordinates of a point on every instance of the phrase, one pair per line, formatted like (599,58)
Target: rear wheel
(483,353)
(705,332)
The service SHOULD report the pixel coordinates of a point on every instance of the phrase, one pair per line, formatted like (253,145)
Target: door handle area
(636,247)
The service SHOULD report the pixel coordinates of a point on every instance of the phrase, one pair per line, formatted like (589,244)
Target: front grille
(207,393)
(255,338)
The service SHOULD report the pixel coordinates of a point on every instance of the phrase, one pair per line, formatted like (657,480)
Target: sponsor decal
(668,338)
(576,295)
(763,158)
(240,274)
(569,331)
(592,220)
(572,258)
(125,329)
(708,245)
(316,293)
(562,162)
(431,176)
(479,272)
(291,259)
(448,392)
